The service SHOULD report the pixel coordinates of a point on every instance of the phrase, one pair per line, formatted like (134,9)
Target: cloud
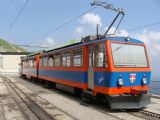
(111,31)
(151,38)
(123,33)
(79,31)
(91,19)
(88,24)
(49,42)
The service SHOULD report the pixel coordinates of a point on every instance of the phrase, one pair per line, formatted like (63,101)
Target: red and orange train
(114,67)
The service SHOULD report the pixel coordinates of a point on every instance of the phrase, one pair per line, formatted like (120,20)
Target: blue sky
(41,16)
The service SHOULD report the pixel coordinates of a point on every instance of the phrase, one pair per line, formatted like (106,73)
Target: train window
(22,63)
(101,58)
(34,62)
(57,59)
(45,61)
(31,63)
(50,60)
(77,57)
(40,61)
(27,63)
(127,55)
(66,59)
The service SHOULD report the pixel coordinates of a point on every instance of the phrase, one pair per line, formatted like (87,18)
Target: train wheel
(77,92)
(85,97)
(48,85)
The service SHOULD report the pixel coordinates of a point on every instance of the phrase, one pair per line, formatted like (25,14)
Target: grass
(10,48)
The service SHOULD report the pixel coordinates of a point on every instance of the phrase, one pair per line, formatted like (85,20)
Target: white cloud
(156,46)
(111,31)
(49,42)
(123,33)
(79,31)
(91,19)
(88,24)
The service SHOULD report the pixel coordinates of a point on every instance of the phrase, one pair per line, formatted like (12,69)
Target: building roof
(14,53)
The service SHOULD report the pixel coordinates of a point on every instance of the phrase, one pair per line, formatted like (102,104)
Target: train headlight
(128,38)
(120,81)
(144,80)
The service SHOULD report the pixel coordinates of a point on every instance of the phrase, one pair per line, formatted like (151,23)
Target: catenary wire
(129,30)
(17,16)
(144,26)
(61,26)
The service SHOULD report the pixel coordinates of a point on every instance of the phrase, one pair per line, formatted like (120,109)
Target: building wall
(10,64)
(1,62)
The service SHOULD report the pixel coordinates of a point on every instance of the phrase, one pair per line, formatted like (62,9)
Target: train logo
(132,78)
(100,79)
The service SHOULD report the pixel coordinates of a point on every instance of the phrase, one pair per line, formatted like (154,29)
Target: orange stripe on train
(119,90)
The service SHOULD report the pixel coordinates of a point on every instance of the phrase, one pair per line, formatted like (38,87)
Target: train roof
(121,39)
(80,43)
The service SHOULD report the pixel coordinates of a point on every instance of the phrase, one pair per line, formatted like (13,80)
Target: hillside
(7,47)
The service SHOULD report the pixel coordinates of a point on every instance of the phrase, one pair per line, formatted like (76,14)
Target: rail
(21,97)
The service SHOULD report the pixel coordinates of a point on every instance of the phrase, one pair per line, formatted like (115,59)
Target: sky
(41,16)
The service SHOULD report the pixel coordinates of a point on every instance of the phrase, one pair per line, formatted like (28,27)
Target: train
(115,68)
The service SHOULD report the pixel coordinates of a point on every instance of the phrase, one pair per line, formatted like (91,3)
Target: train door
(90,67)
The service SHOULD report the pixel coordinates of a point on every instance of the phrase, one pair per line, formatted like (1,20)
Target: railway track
(146,115)
(29,109)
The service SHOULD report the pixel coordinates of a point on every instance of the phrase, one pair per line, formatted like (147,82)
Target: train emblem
(132,78)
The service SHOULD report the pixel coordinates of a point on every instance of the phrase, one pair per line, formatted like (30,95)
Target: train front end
(129,74)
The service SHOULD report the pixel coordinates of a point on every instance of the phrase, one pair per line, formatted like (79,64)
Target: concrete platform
(69,105)
(154,106)
(9,110)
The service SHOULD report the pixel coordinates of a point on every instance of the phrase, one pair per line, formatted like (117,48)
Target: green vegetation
(64,44)
(8,47)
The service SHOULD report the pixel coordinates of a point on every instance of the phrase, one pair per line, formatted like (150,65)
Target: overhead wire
(61,26)
(129,30)
(144,26)
(17,16)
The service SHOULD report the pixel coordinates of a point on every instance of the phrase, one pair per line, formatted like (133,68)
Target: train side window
(31,63)
(101,58)
(66,59)
(45,61)
(40,61)
(50,60)
(34,62)
(77,57)
(27,63)
(23,63)
(57,59)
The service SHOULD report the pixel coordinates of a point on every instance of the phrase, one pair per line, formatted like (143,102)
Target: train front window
(126,55)
(101,58)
